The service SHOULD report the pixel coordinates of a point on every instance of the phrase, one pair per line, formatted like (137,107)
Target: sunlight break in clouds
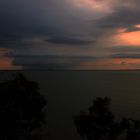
(129,38)
(98,6)
(6,63)
(137,26)
(124,37)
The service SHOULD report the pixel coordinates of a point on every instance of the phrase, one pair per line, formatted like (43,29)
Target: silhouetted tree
(21,109)
(133,130)
(99,123)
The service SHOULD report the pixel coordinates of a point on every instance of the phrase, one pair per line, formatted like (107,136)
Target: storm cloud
(69,40)
(50,27)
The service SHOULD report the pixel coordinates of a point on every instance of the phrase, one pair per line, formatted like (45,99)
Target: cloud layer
(82,28)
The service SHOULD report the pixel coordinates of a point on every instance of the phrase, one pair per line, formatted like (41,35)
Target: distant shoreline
(23,70)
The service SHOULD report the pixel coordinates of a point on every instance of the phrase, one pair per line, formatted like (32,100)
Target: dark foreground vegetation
(22,115)
(99,123)
(21,109)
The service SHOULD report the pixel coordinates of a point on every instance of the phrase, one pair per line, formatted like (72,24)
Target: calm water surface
(69,92)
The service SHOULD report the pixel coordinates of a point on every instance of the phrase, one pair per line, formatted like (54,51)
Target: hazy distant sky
(69,34)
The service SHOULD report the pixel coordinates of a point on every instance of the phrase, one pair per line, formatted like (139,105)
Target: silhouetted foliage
(99,123)
(21,109)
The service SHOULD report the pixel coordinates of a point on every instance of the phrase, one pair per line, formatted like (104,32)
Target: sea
(69,92)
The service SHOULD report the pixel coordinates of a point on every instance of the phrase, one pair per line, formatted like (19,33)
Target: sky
(69,34)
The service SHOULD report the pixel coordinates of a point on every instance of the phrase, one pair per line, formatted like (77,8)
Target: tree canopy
(21,108)
(99,123)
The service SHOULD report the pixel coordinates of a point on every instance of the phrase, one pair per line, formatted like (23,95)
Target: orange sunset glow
(137,26)
(128,38)
(6,63)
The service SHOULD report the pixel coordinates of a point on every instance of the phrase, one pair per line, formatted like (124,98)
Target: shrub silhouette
(100,124)
(21,109)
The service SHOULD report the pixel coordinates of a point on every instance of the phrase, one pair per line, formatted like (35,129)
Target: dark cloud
(132,29)
(40,19)
(69,40)
(125,55)
(58,22)
(33,17)
(125,49)
(50,62)
(124,16)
